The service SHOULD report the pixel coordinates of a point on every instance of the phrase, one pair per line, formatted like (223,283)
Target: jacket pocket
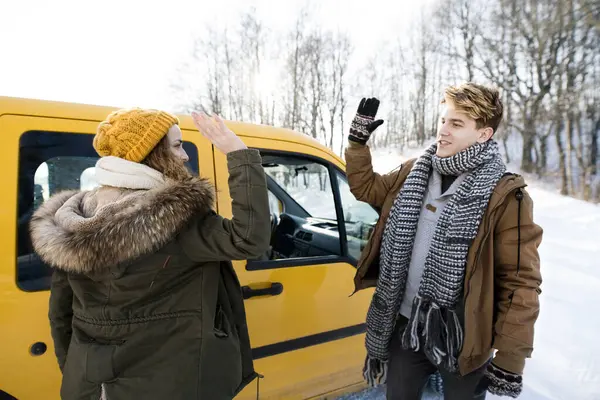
(522,312)
(222,327)
(482,335)
(90,359)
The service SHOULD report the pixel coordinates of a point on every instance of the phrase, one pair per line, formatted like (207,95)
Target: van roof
(88,112)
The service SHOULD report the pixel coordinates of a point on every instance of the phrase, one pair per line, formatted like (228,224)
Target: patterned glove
(503,383)
(363,123)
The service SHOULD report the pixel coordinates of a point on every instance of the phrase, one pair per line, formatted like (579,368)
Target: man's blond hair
(479,102)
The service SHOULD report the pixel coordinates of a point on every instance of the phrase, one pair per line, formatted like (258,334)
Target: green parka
(144,298)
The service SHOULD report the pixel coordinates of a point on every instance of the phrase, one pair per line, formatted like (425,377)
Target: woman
(145,303)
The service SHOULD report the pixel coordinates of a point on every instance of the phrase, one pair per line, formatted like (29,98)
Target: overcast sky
(125,53)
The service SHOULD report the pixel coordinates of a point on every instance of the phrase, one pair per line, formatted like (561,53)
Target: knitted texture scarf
(434,322)
(121,173)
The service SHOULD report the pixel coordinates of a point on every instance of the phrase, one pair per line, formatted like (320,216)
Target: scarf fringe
(375,371)
(441,329)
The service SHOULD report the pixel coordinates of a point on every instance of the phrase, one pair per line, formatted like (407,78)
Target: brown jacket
(500,299)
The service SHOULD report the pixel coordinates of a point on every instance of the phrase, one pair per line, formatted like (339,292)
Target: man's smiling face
(457,131)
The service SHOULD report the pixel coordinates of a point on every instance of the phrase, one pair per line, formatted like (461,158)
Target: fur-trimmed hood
(89,231)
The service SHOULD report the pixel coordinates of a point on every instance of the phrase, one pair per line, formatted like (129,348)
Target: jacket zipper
(487,233)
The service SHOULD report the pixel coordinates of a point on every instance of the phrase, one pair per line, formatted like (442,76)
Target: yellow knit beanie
(132,133)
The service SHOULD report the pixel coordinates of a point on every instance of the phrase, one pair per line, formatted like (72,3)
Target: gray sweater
(433,205)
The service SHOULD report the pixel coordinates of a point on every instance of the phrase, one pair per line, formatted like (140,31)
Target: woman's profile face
(176,143)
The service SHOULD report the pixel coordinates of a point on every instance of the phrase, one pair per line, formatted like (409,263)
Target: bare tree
(542,55)
(252,43)
(529,76)
(336,67)
(343,104)
(458,22)
(296,73)
(397,118)
(212,52)
(234,94)
(423,54)
(314,50)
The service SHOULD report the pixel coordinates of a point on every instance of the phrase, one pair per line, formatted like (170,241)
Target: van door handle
(275,289)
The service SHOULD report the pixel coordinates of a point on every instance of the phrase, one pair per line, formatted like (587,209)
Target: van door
(306,332)
(41,156)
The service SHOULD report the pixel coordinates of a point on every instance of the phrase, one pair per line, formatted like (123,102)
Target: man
(453,257)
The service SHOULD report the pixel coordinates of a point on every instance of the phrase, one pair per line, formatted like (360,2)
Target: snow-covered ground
(565,364)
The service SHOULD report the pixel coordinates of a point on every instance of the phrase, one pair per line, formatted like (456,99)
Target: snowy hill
(565,364)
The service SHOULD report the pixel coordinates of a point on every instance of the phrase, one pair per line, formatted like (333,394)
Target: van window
(308,184)
(304,220)
(359,218)
(50,162)
(275,205)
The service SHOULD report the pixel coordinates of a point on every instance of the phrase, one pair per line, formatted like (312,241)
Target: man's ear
(485,134)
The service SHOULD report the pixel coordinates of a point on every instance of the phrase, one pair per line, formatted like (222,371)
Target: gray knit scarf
(434,316)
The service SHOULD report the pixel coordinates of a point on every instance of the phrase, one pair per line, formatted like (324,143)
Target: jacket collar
(507,184)
(435,185)
(95,230)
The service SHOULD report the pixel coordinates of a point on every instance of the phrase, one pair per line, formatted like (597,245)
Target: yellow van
(307,333)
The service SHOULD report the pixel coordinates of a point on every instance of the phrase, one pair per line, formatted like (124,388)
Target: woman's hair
(162,159)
